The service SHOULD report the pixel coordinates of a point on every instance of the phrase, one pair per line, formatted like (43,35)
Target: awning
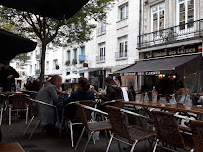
(48,8)
(12,44)
(158,66)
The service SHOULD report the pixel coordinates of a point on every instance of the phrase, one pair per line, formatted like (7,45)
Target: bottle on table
(146,98)
(154,95)
(173,100)
(188,102)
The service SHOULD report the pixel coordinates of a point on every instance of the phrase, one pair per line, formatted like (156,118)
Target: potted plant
(67,62)
(74,61)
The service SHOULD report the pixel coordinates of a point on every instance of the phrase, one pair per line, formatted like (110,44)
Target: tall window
(185,13)
(30,69)
(102,52)
(83,50)
(158,12)
(75,54)
(47,65)
(123,47)
(124,12)
(55,63)
(68,54)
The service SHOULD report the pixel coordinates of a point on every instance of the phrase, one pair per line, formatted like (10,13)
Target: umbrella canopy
(55,9)
(72,76)
(12,44)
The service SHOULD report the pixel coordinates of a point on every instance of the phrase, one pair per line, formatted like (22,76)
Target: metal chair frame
(70,123)
(38,122)
(2,107)
(124,111)
(25,109)
(86,123)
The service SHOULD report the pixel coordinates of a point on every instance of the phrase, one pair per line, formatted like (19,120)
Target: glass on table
(139,98)
(163,101)
(12,89)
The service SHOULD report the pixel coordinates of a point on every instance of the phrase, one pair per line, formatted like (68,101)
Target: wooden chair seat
(11,147)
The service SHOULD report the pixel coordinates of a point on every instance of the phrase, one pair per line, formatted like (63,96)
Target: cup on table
(12,89)
(139,98)
(163,101)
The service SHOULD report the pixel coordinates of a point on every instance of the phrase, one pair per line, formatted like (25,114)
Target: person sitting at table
(7,76)
(181,93)
(113,92)
(48,94)
(83,93)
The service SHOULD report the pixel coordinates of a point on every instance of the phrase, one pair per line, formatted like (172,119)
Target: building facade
(170,30)
(113,45)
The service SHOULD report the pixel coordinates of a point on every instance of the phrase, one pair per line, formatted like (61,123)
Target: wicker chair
(168,131)
(121,128)
(2,101)
(18,103)
(93,126)
(39,121)
(197,134)
(33,112)
(76,120)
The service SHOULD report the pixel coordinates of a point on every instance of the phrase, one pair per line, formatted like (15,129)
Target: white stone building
(113,46)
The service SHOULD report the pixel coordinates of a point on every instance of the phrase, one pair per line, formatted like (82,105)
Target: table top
(11,147)
(10,93)
(177,107)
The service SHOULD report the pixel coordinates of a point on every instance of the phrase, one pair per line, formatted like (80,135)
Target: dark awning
(157,66)
(48,8)
(12,44)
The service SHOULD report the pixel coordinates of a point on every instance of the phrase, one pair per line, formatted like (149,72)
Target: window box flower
(67,62)
(74,61)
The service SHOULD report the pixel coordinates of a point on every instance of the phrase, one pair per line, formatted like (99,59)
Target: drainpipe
(140,21)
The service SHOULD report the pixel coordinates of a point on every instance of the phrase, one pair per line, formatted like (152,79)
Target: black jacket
(112,93)
(8,83)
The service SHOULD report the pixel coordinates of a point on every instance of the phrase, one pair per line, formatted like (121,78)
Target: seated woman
(83,93)
(48,94)
(113,92)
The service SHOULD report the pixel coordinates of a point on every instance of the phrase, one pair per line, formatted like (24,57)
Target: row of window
(185,15)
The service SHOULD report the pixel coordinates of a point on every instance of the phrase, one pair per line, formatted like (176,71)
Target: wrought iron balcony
(101,30)
(100,59)
(121,55)
(172,34)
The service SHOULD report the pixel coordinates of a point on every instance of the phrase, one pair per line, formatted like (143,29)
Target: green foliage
(22,57)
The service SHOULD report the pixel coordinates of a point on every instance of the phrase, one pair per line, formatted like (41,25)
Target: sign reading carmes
(170,52)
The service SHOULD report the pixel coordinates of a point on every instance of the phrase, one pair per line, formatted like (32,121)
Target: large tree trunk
(43,52)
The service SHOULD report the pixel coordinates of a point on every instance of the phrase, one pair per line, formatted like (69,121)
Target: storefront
(166,68)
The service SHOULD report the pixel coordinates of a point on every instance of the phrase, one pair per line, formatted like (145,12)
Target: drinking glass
(12,89)
(163,101)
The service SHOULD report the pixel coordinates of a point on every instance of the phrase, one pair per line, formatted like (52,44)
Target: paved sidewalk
(41,142)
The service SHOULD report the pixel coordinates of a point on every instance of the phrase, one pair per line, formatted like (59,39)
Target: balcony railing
(100,59)
(101,30)
(121,55)
(172,34)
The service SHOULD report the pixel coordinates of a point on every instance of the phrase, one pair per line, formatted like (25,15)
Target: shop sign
(141,73)
(74,68)
(170,52)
